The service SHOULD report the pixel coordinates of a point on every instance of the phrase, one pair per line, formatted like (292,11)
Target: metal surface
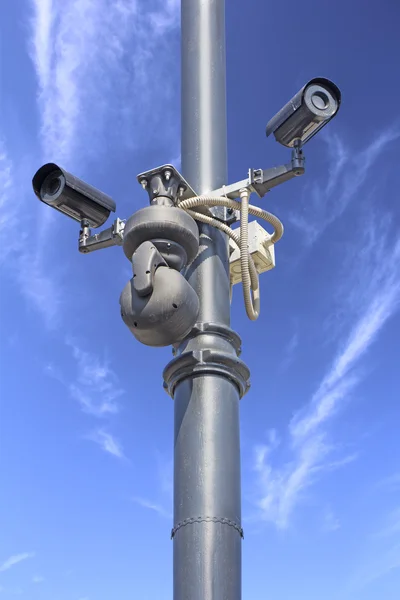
(262,181)
(207,550)
(161,223)
(112,236)
(164,184)
(165,315)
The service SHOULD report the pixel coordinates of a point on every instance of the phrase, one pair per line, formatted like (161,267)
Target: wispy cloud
(383,562)
(96,386)
(9,240)
(330,521)
(381,553)
(289,351)
(80,75)
(107,442)
(163,506)
(38,579)
(42,41)
(392,525)
(90,94)
(390,483)
(325,202)
(41,288)
(36,282)
(158,508)
(371,296)
(15,559)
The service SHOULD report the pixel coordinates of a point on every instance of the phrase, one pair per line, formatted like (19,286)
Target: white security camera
(306,113)
(72,196)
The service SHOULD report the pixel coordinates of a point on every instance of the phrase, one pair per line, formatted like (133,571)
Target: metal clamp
(112,236)
(261,181)
(221,520)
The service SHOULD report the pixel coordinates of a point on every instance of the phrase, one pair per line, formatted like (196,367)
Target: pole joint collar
(195,363)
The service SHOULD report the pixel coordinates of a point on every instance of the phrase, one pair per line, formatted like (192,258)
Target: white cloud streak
(323,203)
(289,351)
(96,385)
(10,241)
(163,507)
(90,57)
(42,41)
(371,296)
(107,442)
(38,579)
(330,521)
(390,483)
(94,61)
(153,506)
(15,559)
(37,284)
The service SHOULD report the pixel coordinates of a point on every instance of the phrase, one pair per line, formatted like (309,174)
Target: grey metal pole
(206,377)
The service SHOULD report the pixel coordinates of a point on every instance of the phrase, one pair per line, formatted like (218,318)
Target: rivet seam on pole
(222,520)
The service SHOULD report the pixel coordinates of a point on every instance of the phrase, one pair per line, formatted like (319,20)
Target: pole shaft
(207,499)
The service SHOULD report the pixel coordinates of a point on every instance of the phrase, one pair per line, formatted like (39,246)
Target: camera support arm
(164,183)
(112,236)
(261,181)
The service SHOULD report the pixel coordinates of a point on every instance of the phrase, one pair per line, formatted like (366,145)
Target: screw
(144,183)
(181,190)
(167,174)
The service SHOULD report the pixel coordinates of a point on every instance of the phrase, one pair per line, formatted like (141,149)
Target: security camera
(306,113)
(72,196)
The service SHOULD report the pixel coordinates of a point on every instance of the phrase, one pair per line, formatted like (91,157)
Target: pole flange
(206,362)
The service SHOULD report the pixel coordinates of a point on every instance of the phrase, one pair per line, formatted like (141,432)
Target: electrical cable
(250,282)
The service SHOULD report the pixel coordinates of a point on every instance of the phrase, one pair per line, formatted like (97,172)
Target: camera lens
(320,100)
(52,185)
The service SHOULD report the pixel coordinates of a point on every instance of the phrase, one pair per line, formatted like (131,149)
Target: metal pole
(206,378)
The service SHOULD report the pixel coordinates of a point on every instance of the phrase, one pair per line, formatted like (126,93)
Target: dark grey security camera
(72,196)
(306,113)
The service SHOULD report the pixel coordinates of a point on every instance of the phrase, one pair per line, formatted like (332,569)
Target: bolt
(167,174)
(181,190)
(144,183)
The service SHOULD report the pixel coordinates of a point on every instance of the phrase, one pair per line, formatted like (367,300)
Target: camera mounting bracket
(262,181)
(164,185)
(112,236)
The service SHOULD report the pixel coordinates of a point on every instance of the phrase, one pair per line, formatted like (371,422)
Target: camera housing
(71,196)
(306,113)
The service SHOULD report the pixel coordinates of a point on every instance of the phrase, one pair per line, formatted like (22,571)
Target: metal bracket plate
(170,176)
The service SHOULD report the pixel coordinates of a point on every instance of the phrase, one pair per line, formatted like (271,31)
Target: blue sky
(86,429)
